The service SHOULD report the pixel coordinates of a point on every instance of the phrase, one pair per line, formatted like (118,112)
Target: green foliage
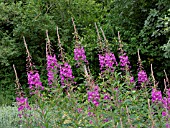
(142,24)
(165,22)
(166,48)
(8,117)
(31,19)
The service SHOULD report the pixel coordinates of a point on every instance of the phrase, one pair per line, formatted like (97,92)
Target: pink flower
(79,54)
(156,95)
(163,113)
(91,122)
(107,61)
(124,60)
(132,80)
(168,92)
(94,96)
(79,110)
(34,81)
(66,73)
(106,97)
(22,103)
(51,68)
(167,125)
(166,103)
(142,77)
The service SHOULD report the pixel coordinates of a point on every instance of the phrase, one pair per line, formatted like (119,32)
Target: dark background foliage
(143,24)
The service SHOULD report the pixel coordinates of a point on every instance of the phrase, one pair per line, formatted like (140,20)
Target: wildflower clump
(107,100)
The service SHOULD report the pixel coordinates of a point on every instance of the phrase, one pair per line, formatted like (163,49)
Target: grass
(9,117)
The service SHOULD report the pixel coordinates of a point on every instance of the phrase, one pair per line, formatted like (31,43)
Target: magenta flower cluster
(34,81)
(94,96)
(79,54)
(107,61)
(168,92)
(106,97)
(66,73)
(51,68)
(166,100)
(124,60)
(22,103)
(132,80)
(156,95)
(142,77)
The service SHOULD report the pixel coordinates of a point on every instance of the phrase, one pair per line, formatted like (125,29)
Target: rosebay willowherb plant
(51,68)
(79,52)
(22,100)
(66,75)
(142,76)
(108,101)
(52,65)
(35,84)
(107,59)
(124,62)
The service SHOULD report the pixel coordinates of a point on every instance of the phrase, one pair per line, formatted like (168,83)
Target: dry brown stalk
(99,37)
(48,45)
(60,46)
(106,41)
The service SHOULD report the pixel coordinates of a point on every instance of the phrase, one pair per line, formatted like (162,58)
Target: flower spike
(142,76)
(34,81)
(79,52)
(52,64)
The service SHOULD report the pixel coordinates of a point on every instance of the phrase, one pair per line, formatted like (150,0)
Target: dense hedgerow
(114,99)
